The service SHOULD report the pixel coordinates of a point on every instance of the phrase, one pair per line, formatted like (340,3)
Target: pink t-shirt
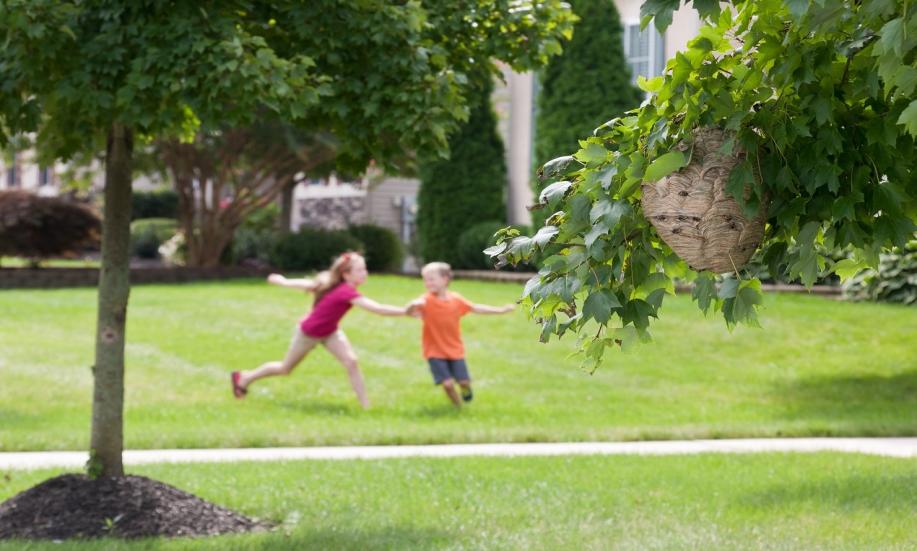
(324,317)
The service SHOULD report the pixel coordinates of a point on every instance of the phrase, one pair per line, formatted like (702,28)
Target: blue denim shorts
(443,369)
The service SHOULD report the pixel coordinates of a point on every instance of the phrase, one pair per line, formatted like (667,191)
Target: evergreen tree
(585,86)
(465,189)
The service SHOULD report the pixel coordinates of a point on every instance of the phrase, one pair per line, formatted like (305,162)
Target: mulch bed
(75,506)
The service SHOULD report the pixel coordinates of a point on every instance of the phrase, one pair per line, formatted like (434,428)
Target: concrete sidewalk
(890,447)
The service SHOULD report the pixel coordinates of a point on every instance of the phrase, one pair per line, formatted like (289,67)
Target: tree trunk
(107,441)
(286,208)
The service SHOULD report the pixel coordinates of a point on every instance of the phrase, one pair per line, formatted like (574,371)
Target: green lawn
(18,262)
(768,501)
(818,367)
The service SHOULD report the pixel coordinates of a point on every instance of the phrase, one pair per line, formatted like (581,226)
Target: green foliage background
(588,84)
(467,188)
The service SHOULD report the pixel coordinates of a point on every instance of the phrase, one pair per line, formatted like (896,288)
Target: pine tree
(465,189)
(585,86)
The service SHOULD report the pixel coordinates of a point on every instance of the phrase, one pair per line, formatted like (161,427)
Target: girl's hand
(276,279)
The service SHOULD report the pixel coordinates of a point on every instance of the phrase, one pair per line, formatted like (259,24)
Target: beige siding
(383,206)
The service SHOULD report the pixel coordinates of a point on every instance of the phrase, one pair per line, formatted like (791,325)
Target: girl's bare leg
(340,347)
(300,345)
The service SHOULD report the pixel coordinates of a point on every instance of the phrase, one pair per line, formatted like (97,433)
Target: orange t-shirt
(442,334)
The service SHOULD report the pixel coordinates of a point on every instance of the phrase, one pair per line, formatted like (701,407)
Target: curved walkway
(891,447)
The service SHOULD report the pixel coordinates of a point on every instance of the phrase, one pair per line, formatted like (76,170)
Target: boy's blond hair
(441,268)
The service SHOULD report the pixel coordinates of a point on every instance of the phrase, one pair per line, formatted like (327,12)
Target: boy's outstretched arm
(301,284)
(381,309)
(485,309)
(415,307)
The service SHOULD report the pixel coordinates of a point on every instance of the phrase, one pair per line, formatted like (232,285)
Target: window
(644,51)
(44,176)
(11,176)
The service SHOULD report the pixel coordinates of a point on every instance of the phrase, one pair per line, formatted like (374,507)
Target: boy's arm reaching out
(301,284)
(485,309)
(415,307)
(381,309)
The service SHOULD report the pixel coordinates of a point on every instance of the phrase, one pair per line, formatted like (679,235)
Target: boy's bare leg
(467,394)
(449,387)
(340,347)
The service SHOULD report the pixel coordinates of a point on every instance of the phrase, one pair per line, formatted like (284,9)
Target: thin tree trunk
(286,208)
(107,441)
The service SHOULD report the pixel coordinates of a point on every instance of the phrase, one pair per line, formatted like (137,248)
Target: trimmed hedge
(312,249)
(382,248)
(467,188)
(154,204)
(148,234)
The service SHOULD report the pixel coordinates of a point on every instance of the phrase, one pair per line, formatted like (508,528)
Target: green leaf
(747,299)
(593,154)
(848,267)
(704,291)
(544,236)
(664,165)
(552,194)
(609,212)
(599,305)
(728,288)
(908,118)
(561,166)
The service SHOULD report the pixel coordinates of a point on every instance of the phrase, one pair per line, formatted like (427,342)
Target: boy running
(442,311)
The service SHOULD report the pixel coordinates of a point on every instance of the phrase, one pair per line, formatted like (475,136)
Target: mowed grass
(818,367)
(763,501)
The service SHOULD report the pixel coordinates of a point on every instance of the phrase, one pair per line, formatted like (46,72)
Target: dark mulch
(74,506)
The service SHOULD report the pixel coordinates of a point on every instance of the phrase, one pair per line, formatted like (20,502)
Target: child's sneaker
(467,395)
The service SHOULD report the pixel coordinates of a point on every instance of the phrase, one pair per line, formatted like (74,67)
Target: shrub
(154,204)
(471,244)
(894,281)
(473,241)
(40,227)
(149,233)
(312,249)
(252,246)
(465,189)
(384,251)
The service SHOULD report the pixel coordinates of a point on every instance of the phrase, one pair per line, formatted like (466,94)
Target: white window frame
(655,58)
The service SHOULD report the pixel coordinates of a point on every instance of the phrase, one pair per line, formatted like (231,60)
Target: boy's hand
(415,308)
(508,308)
(276,279)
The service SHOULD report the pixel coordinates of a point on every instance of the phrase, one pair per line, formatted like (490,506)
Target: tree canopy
(382,76)
(818,97)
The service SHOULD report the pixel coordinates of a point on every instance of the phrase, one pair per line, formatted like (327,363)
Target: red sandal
(237,390)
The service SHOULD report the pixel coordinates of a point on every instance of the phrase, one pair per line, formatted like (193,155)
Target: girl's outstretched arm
(301,284)
(485,309)
(381,309)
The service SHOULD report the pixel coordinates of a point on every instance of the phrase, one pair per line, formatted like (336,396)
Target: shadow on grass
(438,411)
(313,407)
(874,493)
(394,537)
(867,401)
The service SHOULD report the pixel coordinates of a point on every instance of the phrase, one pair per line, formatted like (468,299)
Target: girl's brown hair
(333,276)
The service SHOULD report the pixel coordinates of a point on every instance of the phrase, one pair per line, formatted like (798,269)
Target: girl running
(335,293)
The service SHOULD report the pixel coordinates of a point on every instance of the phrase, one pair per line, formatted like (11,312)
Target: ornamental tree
(465,189)
(396,87)
(126,72)
(818,100)
(585,86)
